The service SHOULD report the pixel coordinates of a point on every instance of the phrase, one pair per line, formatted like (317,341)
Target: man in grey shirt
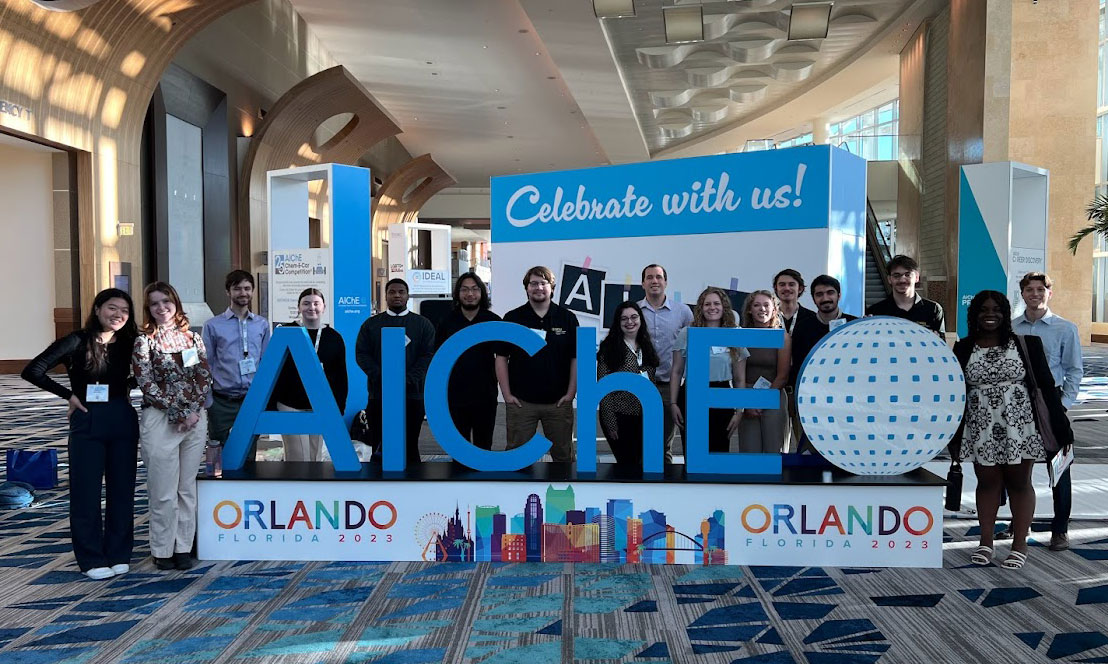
(664,318)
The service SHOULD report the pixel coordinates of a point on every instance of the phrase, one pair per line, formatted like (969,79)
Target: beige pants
(172,461)
(557,425)
(768,433)
(300,447)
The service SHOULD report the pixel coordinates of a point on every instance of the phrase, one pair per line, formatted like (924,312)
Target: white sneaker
(121,568)
(100,573)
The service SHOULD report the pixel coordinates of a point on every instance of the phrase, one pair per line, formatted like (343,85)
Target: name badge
(247,366)
(541,333)
(762,383)
(190,357)
(835,324)
(96,393)
(645,374)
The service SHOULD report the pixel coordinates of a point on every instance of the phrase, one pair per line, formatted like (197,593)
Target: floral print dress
(165,381)
(1000,427)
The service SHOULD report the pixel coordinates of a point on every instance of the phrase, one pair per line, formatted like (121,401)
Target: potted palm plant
(1097,214)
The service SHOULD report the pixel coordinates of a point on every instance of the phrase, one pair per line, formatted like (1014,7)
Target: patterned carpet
(1056,609)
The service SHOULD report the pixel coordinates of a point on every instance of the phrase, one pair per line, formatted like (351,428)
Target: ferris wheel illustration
(428,533)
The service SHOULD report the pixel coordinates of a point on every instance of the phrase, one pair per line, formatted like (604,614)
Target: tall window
(796,141)
(1100,249)
(873,134)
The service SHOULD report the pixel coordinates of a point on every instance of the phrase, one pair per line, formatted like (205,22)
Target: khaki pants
(557,425)
(300,447)
(769,432)
(172,461)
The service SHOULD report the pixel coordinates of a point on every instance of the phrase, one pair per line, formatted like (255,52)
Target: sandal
(982,555)
(1015,560)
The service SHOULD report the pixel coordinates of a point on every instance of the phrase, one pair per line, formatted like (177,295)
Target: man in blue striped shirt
(1063,352)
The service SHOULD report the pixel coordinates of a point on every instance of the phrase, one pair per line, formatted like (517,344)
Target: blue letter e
(324,417)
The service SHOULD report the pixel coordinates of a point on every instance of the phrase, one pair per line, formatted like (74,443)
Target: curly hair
(1004,333)
(727,319)
(747,320)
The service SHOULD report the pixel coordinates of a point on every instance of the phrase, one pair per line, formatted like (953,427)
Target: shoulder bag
(1038,404)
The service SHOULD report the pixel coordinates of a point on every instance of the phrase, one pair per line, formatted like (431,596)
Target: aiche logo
(883,520)
(323,515)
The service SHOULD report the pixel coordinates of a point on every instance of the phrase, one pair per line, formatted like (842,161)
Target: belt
(228,397)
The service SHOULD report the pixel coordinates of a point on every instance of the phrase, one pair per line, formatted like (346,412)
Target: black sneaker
(1059,542)
(164,563)
(183,561)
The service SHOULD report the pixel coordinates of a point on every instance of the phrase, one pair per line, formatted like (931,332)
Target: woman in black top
(289,392)
(103,431)
(1000,433)
(626,348)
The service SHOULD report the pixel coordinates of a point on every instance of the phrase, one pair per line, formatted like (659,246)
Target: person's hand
(733,423)
(568,398)
(510,400)
(75,404)
(678,417)
(188,424)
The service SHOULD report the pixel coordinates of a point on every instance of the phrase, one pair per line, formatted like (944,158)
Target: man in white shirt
(1063,352)
(663,318)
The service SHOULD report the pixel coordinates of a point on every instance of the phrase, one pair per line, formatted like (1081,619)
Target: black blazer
(1039,367)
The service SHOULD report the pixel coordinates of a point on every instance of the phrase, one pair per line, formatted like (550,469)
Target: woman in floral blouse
(171,367)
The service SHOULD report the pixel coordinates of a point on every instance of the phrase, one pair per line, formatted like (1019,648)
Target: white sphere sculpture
(881,396)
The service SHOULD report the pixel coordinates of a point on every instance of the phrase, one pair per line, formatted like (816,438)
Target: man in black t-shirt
(905,302)
(808,332)
(540,387)
(471,391)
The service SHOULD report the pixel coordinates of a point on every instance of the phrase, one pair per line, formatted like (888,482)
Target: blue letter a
(324,417)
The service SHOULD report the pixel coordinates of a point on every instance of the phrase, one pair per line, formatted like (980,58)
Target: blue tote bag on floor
(39,468)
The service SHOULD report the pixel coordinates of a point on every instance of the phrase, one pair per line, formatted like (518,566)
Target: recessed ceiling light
(683,24)
(613,8)
(434,73)
(510,136)
(523,31)
(484,46)
(501,108)
(430,63)
(496,89)
(809,20)
(537,53)
(550,78)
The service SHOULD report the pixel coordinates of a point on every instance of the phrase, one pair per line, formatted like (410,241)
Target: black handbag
(954,487)
(359,428)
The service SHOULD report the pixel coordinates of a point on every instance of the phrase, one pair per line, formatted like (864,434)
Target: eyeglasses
(469,289)
(537,284)
(629,319)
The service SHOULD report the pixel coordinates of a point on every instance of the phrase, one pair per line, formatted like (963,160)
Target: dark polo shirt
(473,379)
(925,312)
(544,376)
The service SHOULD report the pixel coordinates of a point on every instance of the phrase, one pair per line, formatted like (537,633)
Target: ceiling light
(683,24)
(613,8)
(809,20)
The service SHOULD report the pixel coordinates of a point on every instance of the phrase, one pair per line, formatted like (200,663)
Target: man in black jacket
(472,390)
(419,347)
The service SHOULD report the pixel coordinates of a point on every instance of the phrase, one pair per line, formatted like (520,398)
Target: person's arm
(1072,365)
(266,334)
(425,351)
(784,363)
(208,335)
(1059,423)
(367,353)
(571,391)
(143,363)
(675,376)
(738,379)
(35,371)
(502,380)
(940,320)
(199,378)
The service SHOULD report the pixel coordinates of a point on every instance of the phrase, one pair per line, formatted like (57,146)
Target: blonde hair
(748,304)
(727,319)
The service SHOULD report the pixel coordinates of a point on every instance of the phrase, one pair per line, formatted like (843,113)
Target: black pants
(475,420)
(627,447)
(718,438)
(103,451)
(1063,497)
(413,423)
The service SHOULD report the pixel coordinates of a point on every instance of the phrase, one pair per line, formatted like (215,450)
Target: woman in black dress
(103,431)
(626,348)
(999,432)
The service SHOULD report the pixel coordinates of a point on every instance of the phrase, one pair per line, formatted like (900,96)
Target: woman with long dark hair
(726,368)
(999,433)
(626,348)
(330,350)
(171,367)
(103,431)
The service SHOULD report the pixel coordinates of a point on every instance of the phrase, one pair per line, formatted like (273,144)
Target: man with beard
(540,387)
(419,348)
(235,341)
(905,302)
(471,391)
(663,319)
(808,331)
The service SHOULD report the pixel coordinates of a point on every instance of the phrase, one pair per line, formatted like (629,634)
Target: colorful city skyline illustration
(556,530)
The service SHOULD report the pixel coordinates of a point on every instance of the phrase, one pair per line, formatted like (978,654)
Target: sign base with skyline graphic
(842,523)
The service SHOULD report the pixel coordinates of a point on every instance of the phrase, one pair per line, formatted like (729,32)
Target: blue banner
(758,191)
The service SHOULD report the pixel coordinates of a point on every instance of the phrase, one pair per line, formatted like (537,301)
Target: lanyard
(242,330)
(318,336)
(790,324)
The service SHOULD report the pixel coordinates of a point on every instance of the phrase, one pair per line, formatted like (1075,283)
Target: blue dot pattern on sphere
(850,418)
